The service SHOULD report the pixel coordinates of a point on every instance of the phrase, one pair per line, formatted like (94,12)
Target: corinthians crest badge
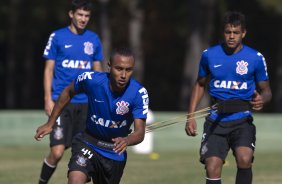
(58,133)
(88,48)
(81,160)
(122,107)
(242,67)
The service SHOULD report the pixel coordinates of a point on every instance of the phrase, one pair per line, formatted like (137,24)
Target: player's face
(233,36)
(121,70)
(80,18)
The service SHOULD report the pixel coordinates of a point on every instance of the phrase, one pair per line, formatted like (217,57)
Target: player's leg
(50,163)
(57,146)
(244,157)
(55,155)
(243,151)
(213,151)
(77,177)
(213,167)
(81,162)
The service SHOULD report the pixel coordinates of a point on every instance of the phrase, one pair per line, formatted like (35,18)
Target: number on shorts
(87,153)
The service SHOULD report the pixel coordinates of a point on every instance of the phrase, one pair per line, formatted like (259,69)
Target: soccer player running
(69,51)
(238,82)
(115,102)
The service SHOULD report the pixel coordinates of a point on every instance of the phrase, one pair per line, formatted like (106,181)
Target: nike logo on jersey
(216,66)
(99,101)
(68,46)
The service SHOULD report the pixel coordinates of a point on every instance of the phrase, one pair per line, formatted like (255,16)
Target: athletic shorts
(219,137)
(101,169)
(71,121)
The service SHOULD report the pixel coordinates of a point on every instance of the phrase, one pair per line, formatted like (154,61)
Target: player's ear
(109,66)
(244,33)
(71,14)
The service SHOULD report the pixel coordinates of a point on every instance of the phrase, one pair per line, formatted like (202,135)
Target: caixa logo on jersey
(76,64)
(230,84)
(242,67)
(122,107)
(108,123)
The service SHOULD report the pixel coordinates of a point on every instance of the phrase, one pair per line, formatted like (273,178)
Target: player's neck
(75,30)
(231,51)
(114,89)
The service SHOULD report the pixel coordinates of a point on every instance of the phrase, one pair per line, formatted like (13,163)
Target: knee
(55,156)
(213,170)
(244,157)
(76,177)
(74,181)
(213,167)
(244,161)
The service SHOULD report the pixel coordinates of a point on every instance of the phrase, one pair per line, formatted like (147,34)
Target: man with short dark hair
(238,82)
(69,51)
(115,102)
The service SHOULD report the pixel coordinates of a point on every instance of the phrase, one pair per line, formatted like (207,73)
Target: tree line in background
(167,38)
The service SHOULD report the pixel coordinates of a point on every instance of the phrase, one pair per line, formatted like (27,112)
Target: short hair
(81,4)
(234,18)
(123,51)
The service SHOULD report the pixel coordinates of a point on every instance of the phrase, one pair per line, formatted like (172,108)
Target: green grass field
(21,156)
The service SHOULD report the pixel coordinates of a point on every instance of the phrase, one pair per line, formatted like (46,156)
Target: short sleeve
(261,69)
(203,67)
(81,81)
(50,51)
(141,104)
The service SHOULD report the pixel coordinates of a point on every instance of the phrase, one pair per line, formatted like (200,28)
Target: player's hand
(42,131)
(257,101)
(121,144)
(191,127)
(48,107)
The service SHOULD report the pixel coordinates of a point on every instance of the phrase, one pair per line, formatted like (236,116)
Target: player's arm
(196,96)
(262,96)
(136,137)
(97,66)
(63,100)
(47,85)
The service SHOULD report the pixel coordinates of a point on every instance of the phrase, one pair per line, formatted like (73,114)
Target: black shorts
(71,121)
(101,169)
(219,137)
